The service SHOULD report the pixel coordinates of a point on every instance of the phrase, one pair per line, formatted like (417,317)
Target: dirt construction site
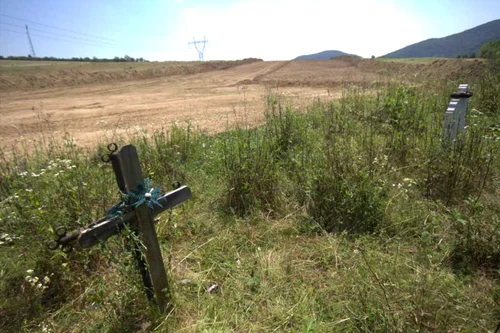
(100,102)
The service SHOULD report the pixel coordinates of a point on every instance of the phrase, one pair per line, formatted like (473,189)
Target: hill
(325,55)
(463,43)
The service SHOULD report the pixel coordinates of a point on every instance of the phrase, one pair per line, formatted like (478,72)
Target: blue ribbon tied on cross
(144,195)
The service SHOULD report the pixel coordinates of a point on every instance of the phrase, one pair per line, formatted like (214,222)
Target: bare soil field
(105,101)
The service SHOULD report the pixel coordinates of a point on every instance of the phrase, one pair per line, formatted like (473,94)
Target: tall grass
(362,219)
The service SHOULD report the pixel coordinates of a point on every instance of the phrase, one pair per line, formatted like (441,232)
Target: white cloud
(281,30)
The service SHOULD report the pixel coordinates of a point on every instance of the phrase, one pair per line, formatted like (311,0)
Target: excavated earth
(101,102)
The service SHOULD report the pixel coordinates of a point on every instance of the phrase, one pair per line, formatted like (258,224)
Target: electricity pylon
(31,44)
(201,49)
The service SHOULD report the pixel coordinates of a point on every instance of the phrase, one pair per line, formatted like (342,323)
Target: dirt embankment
(106,100)
(449,69)
(345,70)
(75,77)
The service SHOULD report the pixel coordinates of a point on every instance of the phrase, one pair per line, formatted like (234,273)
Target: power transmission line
(60,35)
(62,40)
(63,29)
(58,39)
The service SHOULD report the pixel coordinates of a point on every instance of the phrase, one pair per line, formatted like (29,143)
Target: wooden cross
(129,178)
(454,119)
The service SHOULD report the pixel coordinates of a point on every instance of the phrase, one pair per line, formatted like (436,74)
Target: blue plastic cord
(145,195)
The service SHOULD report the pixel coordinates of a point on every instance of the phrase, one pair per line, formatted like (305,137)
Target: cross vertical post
(136,251)
(133,180)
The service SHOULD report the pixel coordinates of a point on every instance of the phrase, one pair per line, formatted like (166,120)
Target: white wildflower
(45,329)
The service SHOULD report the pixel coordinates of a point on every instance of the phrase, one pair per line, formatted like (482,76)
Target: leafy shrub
(477,237)
(284,126)
(465,168)
(165,154)
(251,172)
(354,205)
(491,50)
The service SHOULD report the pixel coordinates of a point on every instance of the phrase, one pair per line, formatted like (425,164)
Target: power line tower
(31,43)
(201,49)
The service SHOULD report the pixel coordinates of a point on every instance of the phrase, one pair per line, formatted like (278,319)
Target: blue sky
(235,29)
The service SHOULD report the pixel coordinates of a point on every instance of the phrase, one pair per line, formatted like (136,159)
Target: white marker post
(454,119)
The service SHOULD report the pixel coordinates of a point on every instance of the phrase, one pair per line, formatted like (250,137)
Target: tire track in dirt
(258,78)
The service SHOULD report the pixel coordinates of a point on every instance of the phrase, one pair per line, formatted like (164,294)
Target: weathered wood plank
(102,229)
(132,175)
(131,244)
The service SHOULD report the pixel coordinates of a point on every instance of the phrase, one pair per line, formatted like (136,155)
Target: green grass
(351,216)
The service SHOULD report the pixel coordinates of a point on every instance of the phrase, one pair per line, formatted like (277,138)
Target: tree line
(126,58)
(491,50)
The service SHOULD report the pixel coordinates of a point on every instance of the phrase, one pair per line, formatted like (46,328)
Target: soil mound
(449,69)
(82,76)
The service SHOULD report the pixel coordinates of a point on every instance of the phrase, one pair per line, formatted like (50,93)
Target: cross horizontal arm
(100,230)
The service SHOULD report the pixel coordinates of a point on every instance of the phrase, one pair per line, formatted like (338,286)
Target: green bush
(491,50)
(250,172)
(477,237)
(166,152)
(354,205)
